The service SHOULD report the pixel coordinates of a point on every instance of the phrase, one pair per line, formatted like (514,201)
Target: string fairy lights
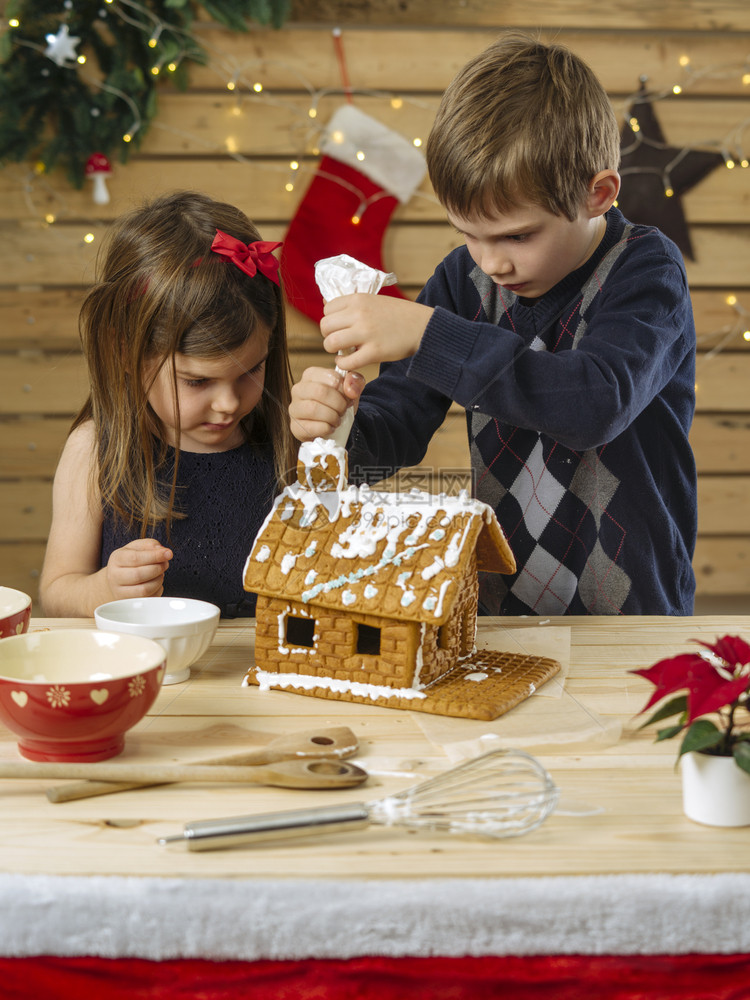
(168,45)
(738,329)
(53,112)
(731,146)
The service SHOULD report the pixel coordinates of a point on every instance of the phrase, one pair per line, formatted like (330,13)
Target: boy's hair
(161,290)
(521,122)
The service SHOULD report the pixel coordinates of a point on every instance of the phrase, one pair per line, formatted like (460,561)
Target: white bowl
(184,627)
(15,612)
(71,694)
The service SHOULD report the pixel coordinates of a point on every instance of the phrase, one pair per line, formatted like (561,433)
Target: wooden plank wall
(239,145)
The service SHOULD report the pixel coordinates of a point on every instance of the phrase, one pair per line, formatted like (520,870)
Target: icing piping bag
(344,275)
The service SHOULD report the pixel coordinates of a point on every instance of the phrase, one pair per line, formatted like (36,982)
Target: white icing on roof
(376,541)
(288,561)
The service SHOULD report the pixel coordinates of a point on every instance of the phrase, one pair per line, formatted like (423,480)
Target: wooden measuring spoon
(283,773)
(336,742)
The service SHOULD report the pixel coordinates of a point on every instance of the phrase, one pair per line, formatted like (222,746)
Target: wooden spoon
(335,742)
(283,774)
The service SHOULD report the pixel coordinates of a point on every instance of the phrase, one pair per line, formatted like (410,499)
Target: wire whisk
(503,793)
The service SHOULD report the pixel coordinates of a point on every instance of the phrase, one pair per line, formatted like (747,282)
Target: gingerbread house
(371,596)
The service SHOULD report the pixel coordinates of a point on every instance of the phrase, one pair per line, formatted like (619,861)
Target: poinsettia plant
(712,709)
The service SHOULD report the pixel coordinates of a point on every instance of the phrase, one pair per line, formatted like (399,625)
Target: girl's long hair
(161,290)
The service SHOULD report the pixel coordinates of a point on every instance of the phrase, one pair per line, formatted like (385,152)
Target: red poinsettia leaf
(708,696)
(669,675)
(731,649)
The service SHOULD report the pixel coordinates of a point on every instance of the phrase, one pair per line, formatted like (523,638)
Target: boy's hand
(319,401)
(137,569)
(379,328)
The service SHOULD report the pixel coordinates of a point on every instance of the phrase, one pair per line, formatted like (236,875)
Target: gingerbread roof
(397,555)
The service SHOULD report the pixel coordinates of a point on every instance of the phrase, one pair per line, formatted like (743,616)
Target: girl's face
(213,395)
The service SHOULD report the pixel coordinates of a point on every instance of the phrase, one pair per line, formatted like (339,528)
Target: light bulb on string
(128,137)
(293,168)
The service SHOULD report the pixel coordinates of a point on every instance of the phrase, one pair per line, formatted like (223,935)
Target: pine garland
(57,110)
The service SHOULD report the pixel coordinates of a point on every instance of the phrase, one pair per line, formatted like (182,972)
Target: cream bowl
(183,626)
(15,612)
(72,694)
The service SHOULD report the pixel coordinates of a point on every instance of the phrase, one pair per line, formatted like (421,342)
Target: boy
(565,331)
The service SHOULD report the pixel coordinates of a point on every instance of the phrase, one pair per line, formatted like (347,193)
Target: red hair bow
(249,257)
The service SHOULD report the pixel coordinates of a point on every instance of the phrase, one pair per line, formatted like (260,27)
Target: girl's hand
(137,569)
(319,401)
(373,328)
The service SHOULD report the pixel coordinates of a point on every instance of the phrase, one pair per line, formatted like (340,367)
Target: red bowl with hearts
(15,612)
(72,694)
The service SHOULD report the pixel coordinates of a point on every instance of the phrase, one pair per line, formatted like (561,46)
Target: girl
(176,456)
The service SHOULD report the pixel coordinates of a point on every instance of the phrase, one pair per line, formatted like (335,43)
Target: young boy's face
(528,249)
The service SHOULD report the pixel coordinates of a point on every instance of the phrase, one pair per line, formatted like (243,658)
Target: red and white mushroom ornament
(98,168)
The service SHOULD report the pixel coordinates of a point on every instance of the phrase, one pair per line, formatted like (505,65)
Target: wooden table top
(620,810)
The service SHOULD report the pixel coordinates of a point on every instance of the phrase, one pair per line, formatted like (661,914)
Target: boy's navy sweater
(579,405)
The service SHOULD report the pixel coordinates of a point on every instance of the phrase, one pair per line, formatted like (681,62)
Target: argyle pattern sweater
(578,405)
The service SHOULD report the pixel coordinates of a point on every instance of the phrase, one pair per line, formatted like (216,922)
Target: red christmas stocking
(365,170)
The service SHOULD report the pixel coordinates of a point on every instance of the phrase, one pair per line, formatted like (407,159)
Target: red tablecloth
(577,977)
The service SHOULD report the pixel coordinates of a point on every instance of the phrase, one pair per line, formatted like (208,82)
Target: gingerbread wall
(334,653)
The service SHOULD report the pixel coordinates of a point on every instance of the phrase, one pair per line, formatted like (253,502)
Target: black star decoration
(649,167)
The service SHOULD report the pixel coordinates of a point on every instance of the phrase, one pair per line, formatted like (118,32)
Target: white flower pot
(714,790)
